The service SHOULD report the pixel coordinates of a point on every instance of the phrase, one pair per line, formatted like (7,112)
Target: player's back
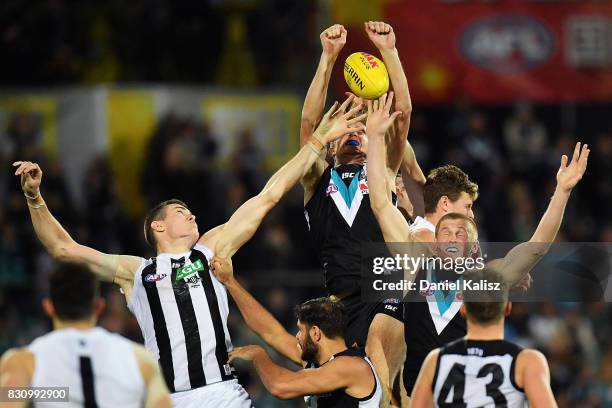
(99,368)
(477,373)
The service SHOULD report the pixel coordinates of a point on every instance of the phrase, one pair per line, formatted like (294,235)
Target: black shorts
(360,315)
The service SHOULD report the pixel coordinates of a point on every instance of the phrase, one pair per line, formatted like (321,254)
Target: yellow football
(366,75)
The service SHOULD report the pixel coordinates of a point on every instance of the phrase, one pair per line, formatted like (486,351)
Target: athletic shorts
(226,394)
(360,315)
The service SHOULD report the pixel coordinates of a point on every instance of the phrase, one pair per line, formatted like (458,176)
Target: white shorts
(226,394)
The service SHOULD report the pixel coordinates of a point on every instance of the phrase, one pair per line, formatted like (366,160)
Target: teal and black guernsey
(431,320)
(340,221)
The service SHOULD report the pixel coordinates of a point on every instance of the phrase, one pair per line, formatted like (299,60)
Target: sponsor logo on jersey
(427,292)
(348,175)
(189,270)
(363,186)
(391,300)
(154,277)
(331,188)
(391,308)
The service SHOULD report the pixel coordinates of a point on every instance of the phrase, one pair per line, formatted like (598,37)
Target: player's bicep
(520,260)
(15,369)
(536,380)
(242,225)
(396,145)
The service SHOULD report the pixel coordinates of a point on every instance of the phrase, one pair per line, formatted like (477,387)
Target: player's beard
(309,350)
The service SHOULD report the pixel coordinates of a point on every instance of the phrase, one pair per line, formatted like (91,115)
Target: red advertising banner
(496,51)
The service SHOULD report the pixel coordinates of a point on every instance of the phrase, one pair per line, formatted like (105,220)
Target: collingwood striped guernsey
(182,311)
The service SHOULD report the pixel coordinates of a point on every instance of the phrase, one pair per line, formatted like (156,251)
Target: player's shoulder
(432,357)
(531,357)
(16,358)
(350,364)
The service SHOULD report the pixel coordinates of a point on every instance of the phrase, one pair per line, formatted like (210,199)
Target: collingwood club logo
(189,273)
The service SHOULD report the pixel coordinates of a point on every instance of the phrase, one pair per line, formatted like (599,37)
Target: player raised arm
(245,221)
(332,41)
(392,223)
(257,317)
(522,258)
(339,373)
(414,180)
(60,245)
(383,37)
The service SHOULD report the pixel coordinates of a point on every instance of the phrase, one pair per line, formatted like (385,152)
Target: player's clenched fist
(381,34)
(222,268)
(333,39)
(31,176)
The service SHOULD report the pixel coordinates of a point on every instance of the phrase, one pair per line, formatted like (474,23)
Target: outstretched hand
(569,175)
(247,353)
(338,122)
(222,268)
(379,116)
(31,176)
(333,39)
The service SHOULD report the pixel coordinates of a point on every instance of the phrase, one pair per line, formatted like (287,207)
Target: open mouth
(352,142)
(452,250)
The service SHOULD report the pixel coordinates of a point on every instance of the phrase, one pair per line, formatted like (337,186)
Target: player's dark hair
(472,235)
(73,290)
(485,305)
(155,214)
(324,313)
(448,181)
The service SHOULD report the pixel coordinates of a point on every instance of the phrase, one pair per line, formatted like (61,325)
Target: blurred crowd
(66,42)
(511,152)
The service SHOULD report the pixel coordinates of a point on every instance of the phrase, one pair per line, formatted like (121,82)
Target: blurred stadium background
(127,103)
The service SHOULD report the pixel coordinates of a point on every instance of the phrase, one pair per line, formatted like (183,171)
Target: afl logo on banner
(507,43)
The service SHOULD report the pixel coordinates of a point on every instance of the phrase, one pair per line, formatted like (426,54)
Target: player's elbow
(539,249)
(280,390)
(63,253)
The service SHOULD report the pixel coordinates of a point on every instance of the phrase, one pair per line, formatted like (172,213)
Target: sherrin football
(366,75)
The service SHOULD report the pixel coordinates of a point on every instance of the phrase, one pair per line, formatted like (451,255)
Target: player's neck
(357,159)
(59,324)
(434,217)
(330,348)
(494,331)
(177,246)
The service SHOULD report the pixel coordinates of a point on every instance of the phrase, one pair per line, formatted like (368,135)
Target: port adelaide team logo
(507,43)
